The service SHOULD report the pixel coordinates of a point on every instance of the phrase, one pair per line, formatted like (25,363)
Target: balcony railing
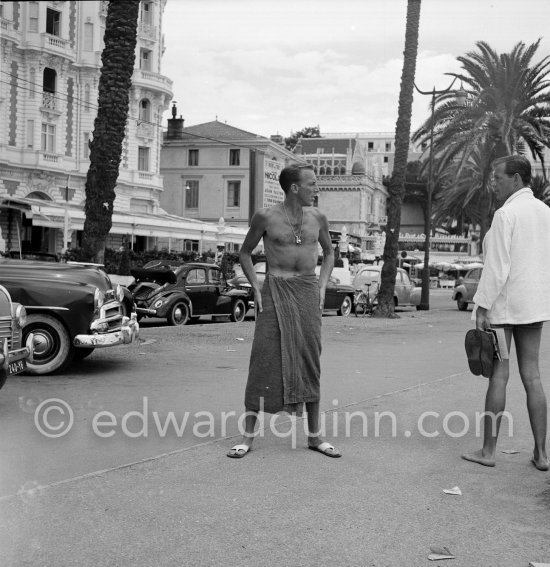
(145,130)
(6,25)
(52,158)
(48,101)
(147,30)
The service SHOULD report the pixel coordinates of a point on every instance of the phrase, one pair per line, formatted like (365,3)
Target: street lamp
(461,96)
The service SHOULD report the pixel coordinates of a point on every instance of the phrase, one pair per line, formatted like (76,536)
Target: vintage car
(71,310)
(338,297)
(13,355)
(181,292)
(405,292)
(466,287)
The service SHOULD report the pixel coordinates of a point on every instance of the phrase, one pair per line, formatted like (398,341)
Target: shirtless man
(285,360)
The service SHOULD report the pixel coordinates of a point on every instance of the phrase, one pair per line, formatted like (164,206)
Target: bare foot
(541,463)
(478,457)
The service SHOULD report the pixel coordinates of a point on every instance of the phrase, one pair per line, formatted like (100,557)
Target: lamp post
(461,98)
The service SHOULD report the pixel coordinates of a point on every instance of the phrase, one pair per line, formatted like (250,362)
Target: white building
(50,69)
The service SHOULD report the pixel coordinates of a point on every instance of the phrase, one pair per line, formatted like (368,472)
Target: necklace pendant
(298,240)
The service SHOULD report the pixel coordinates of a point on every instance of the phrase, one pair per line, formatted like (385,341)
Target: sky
(273,67)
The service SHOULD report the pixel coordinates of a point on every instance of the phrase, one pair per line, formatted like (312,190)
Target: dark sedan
(338,297)
(181,292)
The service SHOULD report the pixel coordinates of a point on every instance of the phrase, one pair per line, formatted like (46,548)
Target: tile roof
(219,131)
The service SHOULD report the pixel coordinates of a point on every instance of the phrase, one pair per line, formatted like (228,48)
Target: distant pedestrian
(513,294)
(285,363)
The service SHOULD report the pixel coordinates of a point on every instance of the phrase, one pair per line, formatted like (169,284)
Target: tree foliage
(507,111)
(109,127)
(307,132)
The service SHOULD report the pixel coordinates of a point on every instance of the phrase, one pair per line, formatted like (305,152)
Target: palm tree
(109,126)
(507,111)
(396,187)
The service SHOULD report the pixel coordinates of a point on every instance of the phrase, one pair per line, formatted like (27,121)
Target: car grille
(112,313)
(6,330)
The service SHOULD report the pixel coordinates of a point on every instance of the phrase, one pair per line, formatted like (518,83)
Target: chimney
(277,138)
(175,125)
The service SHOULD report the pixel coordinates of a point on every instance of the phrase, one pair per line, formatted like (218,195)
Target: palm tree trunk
(397,182)
(109,127)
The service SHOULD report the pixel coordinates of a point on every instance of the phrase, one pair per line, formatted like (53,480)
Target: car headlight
(119,293)
(158,303)
(99,298)
(21,316)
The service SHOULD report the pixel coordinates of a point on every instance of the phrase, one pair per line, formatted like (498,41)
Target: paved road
(199,367)
(382,504)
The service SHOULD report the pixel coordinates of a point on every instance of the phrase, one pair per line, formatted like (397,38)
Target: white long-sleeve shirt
(515,282)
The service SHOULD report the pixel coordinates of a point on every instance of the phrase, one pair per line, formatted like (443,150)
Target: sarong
(285,365)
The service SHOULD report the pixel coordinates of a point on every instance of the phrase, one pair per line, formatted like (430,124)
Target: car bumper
(127,334)
(147,312)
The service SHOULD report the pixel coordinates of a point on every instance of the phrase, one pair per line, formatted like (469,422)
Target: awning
(161,225)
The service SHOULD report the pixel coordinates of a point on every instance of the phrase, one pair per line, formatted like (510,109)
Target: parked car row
(52,313)
(71,310)
(338,297)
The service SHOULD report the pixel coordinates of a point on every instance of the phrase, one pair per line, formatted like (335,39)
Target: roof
(219,131)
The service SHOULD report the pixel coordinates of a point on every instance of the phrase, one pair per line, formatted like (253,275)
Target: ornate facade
(51,59)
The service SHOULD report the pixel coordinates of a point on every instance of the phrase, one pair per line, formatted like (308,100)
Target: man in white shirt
(513,294)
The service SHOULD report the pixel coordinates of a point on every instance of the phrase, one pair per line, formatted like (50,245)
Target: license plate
(17,367)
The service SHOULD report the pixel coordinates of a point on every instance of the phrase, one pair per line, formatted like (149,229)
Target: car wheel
(238,311)
(345,308)
(53,350)
(82,353)
(461,304)
(179,314)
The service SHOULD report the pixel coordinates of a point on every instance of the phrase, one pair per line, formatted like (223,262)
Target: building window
(48,88)
(33,17)
(144,110)
(88,37)
(234,194)
(48,138)
(370,146)
(143,159)
(86,145)
(388,146)
(192,194)
(30,134)
(146,13)
(145,57)
(87,98)
(32,80)
(386,159)
(193,157)
(53,21)
(234,157)
(49,80)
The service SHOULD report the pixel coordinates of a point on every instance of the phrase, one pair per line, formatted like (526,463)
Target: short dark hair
(516,164)
(292,174)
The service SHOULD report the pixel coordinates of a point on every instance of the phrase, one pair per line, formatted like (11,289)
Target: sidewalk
(382,504)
